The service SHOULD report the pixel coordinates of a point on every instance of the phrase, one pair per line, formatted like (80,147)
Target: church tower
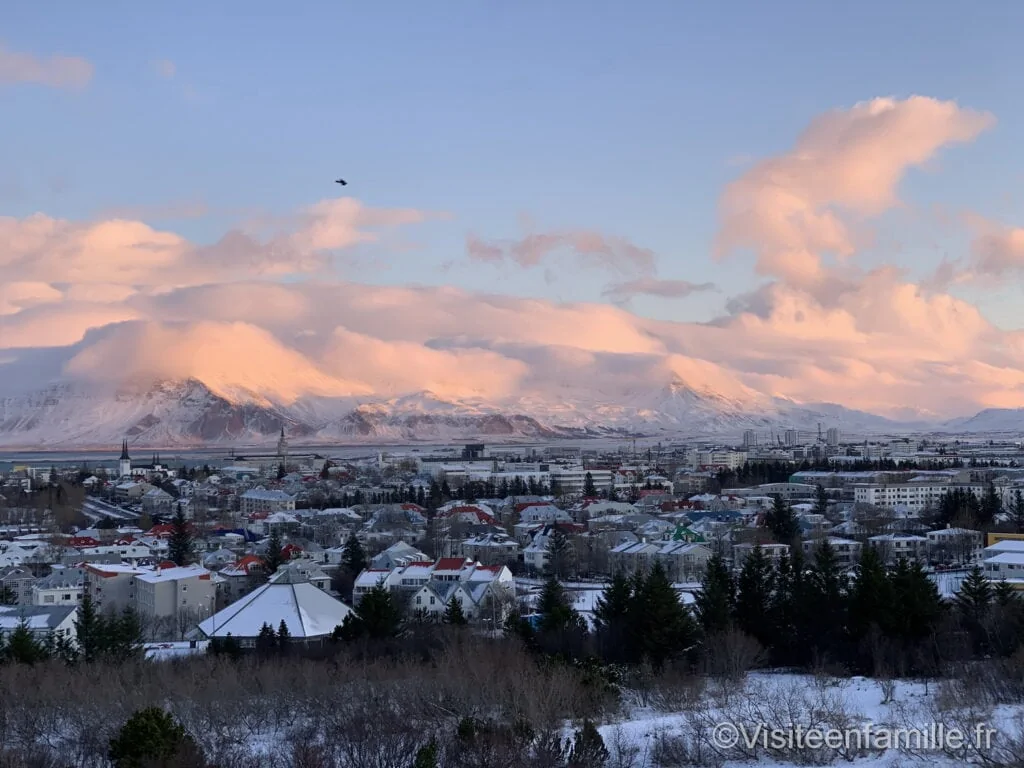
(125,463)
(282,448)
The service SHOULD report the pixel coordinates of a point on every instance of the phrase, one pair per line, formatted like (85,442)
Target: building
(111,587)
(157,502)
(749,439)
(954,546)
(774,552)
(683,561)
(124,464)
(64,586)
(570,479)
(1007,566)
(490,548)
(847,551)
(832,436)
(893,547)
(792,438)
(913,496)
(310,614)
(170,591)
(260,501)
(18,580)
(44,622)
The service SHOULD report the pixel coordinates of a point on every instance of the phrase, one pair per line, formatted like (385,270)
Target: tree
(588,749)
(281,471)
(325,471)
(379,616)
(754,589)
(427,756)
(453,613)
(266,640)
(664,626)
(353,557)
(152,736)
(90,630)
(820,501)
(974,603)
(561,554)
(7,595)
(1017,511)
(274,556)
(826,601)
(589,489)
(22,647)
(556,612)
(870,605)
(181,545)
(716,598)
(613,616)
(991,506)
(781,521)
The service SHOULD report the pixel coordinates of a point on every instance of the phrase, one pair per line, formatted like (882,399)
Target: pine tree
(353,557)
(991,505)
(325,471)
(181,545)
(453,613)
(90,630)
(274,557)
(754,589)
(826,604)
(589,489)
(870,606)
(379,615)
(7,595)
(664,626)
(153,737)
(266,640)
(427,756)
(281,471)
(22,647)
(588,749)
(1017,511)
(124,635)
(613,617)
(921,609)
(561,555)
(820,501)
(556,612)
(974,602)
(781,521)
(716,598)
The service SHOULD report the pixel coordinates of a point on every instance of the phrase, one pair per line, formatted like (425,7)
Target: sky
(793,199)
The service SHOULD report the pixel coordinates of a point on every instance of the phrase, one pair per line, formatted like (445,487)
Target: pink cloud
(649,286)
(70,72)
(591,248)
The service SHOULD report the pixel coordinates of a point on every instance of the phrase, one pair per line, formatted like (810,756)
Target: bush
(152,738)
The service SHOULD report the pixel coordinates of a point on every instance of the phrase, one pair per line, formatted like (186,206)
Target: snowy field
(784,720)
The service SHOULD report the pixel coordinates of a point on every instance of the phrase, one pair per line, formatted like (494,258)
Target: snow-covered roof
(173,574)
(1007,558)
(262,494)
(37,618)
(1006,545)
(307,611)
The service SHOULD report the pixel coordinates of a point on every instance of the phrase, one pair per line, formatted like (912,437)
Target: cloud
(647,286)
(593,249)
(792,209)
(129,252)
(165,68)
(119,300)
(70,72)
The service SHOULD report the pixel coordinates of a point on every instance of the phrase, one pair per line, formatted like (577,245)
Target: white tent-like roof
(308,612)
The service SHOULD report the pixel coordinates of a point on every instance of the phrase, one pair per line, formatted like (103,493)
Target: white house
(42,621)
(64,586)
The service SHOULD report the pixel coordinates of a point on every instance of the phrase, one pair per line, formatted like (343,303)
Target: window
(65,596)
(432,600)
(419,600)
(48,599)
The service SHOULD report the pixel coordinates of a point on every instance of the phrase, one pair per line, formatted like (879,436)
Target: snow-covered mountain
(989,420)
(189,413)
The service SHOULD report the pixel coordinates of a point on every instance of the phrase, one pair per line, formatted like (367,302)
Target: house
(169,591)
(1006,565)
(157,502)
(398,554)
(774,552)
(490,548)
(310,614)
(18,580)
(242,576)
(308,570)
(893,547)
(64,586)
(112,586)
(683,561)
(847,552)
(43,622)
(954,546)
(259,501)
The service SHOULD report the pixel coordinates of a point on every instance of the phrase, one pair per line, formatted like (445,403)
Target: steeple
(124,451)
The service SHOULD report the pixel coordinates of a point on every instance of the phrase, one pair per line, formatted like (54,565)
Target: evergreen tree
(153,737)
(589,489)
(325,471)
(870,607)
(716,598)
(90,630)
(588,749)
(826,603)
(561,554)
(22,647)
(820,501)
(991,506)
(781,521)
(920,611)
(281,471)
(788,609)
(754,589)
(664,626)
(974,604)
(124,635)
(353,557)
(427,756)
(266,640)
(453,613)
(556,612)
(613,620)
(379,615)
(274,557)
(7,595)
(181,545)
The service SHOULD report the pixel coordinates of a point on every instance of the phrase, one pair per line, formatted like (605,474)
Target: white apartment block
(729,459)
(570,479)
(260,501)
(915,497)
(169,592)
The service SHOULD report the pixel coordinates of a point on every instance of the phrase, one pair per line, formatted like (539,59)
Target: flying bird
(341,181)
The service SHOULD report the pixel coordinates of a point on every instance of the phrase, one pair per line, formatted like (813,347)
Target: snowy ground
(906,729)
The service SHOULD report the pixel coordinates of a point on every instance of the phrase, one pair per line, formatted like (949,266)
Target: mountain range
(189,413)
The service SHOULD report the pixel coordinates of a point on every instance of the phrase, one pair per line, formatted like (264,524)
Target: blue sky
(627,118)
